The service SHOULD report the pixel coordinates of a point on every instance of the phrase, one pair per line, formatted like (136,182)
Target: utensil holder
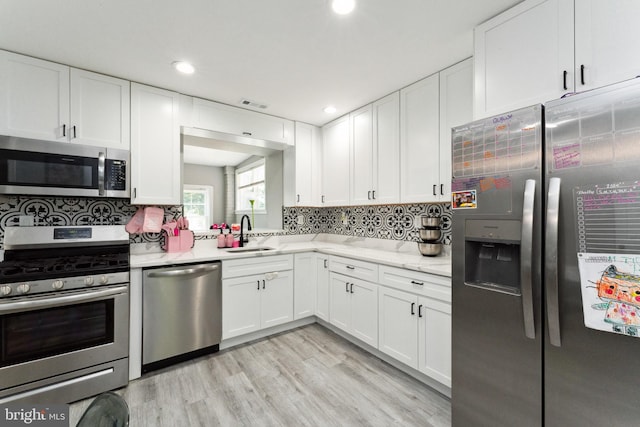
(183,242)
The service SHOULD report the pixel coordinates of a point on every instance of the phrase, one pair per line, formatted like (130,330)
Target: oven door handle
(36,304)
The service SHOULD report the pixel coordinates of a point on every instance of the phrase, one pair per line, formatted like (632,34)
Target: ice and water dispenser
(492,255)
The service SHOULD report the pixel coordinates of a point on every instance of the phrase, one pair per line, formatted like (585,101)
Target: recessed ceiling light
(343,7)
(330,109)
(184,67)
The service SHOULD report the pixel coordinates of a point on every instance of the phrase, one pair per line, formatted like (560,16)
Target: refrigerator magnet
(464,199)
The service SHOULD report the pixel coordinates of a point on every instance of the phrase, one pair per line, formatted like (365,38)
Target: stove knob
(88,281)
(23,288)
(5,290)
(57,284)
(104,280)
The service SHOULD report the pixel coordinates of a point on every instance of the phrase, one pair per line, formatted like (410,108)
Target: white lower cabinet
(353,307)
(305,280)
(322,287)
(415,321)
(434,339)
(257,293)
(397,325)
(251,303)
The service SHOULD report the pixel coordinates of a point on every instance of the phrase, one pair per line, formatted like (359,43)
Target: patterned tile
(393,222)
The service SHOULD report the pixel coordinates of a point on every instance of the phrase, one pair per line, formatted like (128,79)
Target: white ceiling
(296,56)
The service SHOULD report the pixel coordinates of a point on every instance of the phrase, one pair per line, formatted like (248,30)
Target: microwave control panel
(116,174)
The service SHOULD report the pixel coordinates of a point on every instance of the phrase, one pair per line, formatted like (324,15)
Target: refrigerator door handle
(551,261)
(526,258)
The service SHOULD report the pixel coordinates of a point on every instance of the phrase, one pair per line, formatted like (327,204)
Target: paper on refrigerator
(610,285)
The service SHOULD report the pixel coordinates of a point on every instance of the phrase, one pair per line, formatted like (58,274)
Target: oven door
(51,335)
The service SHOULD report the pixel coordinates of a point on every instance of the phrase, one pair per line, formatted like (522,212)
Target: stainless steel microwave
(46,168)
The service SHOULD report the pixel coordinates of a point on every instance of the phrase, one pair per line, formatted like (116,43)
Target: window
(250,185)
(198,204)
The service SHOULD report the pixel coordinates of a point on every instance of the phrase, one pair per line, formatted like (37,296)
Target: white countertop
(387,252)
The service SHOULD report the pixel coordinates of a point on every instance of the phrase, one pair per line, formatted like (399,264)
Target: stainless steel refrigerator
(546,264)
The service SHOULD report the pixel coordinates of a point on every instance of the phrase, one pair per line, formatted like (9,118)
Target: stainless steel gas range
(64,313)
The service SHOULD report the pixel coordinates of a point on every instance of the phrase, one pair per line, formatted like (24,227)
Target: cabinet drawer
(258,265)
(351,267)
(429,285)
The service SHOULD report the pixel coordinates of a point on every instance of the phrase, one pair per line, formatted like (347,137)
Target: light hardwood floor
(305,377)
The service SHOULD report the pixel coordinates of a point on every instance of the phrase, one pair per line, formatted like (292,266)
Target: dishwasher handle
(184,271)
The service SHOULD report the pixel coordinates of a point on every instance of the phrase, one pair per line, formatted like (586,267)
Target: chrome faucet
(242,240)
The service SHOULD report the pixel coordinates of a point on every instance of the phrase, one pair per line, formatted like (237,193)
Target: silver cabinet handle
(551,261)
(184,271)
(58,301)
(526,258)
(101,162)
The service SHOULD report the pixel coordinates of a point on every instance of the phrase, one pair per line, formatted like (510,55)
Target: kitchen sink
(240,250)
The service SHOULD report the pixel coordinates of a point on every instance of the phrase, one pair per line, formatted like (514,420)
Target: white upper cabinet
(456,108)
(361,140)
(534,53)
(419,140)
(99,110)
(386,153)
(238,121)
(301,167)
(607,42)
(53,102)
(34,98)
(375,152)
(335,163)
(523,56)
(156,164)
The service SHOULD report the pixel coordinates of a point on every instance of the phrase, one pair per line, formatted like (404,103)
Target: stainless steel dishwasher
(181,313)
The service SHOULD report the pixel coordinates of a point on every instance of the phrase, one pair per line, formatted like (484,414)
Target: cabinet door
(398,325)
(419,141)
(456,108)
(99,110)
(322,298)
(386,153)
(241,305)
(339,301)
(523,56)
(34,98)
(361,140)
(307,165)
(364,311)
(156,175)
(434,339)
(276,299)
(304,282)
(607,42)
(335,163)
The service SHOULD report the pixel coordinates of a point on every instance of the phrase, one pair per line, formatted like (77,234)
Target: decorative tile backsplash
(393,222)
(72,211)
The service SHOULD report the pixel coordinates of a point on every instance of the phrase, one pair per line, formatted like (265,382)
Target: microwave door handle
(526,258)
(101,162)
(551,261)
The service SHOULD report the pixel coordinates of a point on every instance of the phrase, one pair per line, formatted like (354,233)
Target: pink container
(229,240)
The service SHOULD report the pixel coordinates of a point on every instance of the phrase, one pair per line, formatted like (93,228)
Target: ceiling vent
(248,103)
